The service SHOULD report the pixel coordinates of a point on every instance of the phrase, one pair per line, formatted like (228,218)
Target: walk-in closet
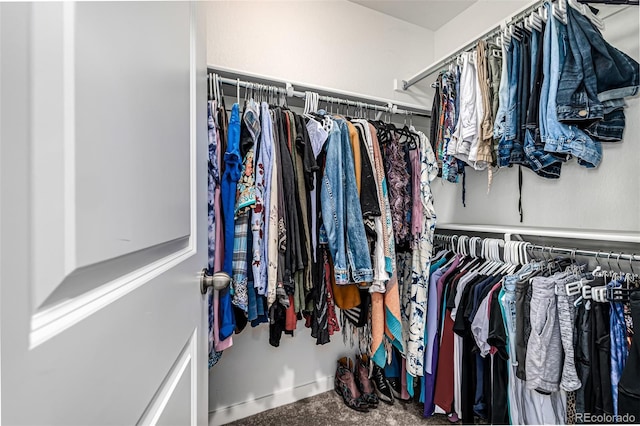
(486,157)
(319,212)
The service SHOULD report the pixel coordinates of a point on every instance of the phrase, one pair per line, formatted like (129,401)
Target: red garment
(329,277)
(291,318)
(444,377)
(404,393)
(444,390)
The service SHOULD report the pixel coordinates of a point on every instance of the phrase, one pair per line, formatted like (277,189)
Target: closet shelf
(581,234)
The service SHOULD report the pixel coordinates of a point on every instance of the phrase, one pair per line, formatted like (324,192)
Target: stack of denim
(560,94)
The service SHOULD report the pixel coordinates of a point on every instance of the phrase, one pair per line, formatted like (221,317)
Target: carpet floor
(328,409)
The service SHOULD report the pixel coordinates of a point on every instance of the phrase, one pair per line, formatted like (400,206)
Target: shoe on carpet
(396,388)
(345,386)
(364,383)
(382,387)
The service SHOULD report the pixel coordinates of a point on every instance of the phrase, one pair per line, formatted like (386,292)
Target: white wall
(607,198)
(335,44)
(473,22)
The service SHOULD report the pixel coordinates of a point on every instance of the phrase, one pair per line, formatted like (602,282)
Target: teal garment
(506,328)
(438,264)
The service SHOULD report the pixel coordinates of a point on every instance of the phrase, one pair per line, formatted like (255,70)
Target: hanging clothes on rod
(329,209)
(528,338)
(391,107)
(533,95)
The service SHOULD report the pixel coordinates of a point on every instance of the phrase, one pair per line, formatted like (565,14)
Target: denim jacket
(341,212)
(594,72)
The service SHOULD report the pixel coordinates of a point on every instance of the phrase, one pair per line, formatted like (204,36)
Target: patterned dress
(423,247)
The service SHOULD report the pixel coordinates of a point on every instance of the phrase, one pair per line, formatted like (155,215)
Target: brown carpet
(328,409)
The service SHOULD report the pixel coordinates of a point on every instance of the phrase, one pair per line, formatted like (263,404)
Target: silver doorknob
(219,281)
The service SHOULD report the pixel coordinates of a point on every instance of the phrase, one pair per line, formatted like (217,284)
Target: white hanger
(559,11)
(509,258)
(586,11)
(542,13)
(535,21)
(216,87)
(486,254)
(210,85)
(494,255)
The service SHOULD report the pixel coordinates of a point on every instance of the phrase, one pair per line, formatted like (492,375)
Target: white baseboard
(281,397)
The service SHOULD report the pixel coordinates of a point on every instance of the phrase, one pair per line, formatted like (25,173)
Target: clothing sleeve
(303,143)
(480,328)
(369,191)
(497,333)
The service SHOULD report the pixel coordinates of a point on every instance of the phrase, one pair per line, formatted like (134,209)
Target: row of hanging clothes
(518,336)
(543,90)
(313,211)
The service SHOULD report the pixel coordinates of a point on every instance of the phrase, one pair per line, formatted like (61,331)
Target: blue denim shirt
(341,212)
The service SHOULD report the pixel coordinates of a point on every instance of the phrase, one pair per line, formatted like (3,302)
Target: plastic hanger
(491,255)
(510,262)
(559,11)
(543,13)
(536,21)
(586,11)
(209,87)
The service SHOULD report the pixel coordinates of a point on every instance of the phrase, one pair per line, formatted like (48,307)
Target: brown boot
(364,383)
(345,386)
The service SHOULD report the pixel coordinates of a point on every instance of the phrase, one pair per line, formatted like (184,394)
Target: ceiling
(430,14)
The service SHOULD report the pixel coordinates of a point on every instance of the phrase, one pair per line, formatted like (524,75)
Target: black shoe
(396,388)
(383,390)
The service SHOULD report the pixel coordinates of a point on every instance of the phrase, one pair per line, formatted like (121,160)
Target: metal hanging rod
(289,91)
(588,253)
(486,35)
(558,250)
(494,31)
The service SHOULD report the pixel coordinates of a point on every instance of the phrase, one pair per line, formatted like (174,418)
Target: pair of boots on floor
(362,386)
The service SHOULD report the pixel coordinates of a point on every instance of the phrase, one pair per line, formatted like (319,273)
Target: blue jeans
(503,96)
(542,163)
(510,131)
(341,212)
(522,102)
(561,138)
(593,72)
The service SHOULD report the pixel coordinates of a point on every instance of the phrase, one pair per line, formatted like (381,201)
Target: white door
(103,157)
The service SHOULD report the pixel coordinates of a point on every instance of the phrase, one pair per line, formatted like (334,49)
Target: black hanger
(383,132)
(406,136)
